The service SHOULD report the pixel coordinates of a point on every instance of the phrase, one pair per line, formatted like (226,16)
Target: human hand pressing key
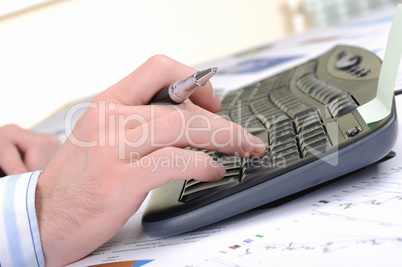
(122,148)
(22,150)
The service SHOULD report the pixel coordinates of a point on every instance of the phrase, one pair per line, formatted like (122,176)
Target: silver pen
(179,91)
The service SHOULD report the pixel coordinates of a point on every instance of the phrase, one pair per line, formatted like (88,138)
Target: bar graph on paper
(377,200)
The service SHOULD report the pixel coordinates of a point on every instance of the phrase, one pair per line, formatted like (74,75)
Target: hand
(23,150)
(121,149)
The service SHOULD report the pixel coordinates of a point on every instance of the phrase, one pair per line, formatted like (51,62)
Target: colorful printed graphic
(125,264)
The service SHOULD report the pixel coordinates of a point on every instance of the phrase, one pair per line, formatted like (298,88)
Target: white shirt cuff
(19,232)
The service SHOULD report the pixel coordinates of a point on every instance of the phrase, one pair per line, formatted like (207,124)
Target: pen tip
(202,77)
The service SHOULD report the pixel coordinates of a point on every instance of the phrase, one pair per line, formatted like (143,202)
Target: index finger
(156,73)
(10,158)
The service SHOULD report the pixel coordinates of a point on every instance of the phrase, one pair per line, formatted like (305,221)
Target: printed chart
(348,225)
(377,200)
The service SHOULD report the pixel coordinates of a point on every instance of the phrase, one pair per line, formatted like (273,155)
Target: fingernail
(219,169)
(253,145)
(259,145)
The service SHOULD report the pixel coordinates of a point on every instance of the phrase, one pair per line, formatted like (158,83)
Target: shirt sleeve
(20,243)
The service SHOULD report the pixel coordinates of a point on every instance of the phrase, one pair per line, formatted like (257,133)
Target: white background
(70,49)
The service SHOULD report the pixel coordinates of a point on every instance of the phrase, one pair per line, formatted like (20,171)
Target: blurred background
(53,52)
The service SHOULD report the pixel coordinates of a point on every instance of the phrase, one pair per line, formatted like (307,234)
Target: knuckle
(9,128)
(159,61)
